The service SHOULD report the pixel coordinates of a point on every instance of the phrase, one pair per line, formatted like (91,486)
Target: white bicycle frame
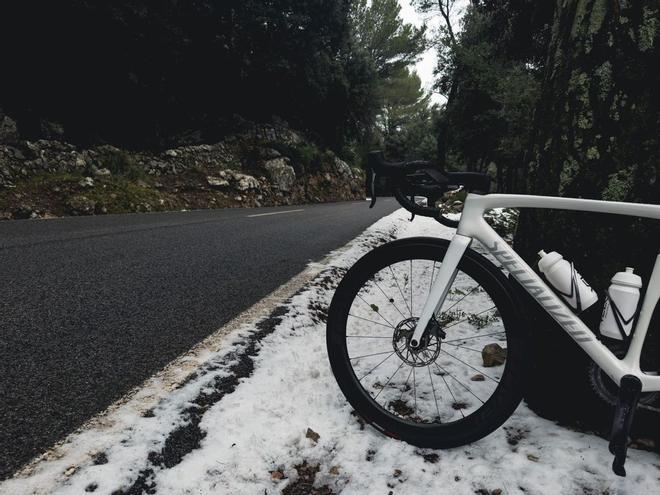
(473,226)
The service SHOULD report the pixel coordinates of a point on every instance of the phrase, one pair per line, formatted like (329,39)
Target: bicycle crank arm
(629,392)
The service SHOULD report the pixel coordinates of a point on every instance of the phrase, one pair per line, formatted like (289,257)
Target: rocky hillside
(262,166)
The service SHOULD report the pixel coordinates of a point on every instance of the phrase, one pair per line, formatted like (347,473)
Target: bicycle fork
(443,281)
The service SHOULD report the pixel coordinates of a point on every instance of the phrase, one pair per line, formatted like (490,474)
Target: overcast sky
(427,63)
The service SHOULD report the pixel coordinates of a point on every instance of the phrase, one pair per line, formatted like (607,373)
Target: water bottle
(567,281)
(621,303)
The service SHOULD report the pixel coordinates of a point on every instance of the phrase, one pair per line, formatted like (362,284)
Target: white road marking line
(273,213)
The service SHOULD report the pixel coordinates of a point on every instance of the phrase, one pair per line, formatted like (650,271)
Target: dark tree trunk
(596,136)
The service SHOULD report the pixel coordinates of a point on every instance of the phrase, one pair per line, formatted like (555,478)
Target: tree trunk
(596,136)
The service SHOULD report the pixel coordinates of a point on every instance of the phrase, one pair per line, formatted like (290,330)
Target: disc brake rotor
(425,354)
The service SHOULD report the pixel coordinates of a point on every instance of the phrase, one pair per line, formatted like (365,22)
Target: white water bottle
(567,281)
(621,304)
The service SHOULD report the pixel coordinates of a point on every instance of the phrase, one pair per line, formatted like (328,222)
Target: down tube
(554,306)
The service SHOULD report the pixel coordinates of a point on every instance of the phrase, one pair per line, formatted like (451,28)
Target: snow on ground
(240,425)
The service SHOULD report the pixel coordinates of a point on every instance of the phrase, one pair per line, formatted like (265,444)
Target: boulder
(244,182)
(24,211)
(342,168)
(216,182)
(281,174)
(80,205)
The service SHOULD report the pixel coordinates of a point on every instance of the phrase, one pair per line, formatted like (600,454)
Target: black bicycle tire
(509,391)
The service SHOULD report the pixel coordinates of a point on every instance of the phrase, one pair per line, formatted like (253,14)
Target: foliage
(406,119)
(595,134)
(121,163)
(490,73)
(403,122)
(143,73)
(391,44)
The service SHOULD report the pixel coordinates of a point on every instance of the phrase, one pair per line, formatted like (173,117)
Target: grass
(54,192)
(122,164)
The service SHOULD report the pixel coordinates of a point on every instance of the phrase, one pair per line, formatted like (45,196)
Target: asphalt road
(90,307)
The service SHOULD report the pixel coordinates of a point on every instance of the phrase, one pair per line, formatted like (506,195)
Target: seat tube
(443,281)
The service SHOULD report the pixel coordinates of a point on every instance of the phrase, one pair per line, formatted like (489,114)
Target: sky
(426,64)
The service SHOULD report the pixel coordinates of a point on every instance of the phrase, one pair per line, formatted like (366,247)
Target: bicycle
(412,366)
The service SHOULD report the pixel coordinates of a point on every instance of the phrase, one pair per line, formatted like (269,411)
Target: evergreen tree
(596,135)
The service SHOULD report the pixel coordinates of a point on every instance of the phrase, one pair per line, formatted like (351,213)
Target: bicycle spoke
(471,316)
(460,382)
(437,408)
(475,337)
(400,291)
(449,388)
(369,355)
(415,390)
(389,379)
(371,321)
(372,369)
(470,366)
(431,284)
(391,300)
(406,384)
(366,337)
(453,345)
(457,302)
(375,311)
(411,289)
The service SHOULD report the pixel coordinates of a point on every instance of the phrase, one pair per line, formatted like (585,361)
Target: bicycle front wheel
(463,382)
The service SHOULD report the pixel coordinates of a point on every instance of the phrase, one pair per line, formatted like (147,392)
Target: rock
(244,182)
(270,153)
(281,173)
(334,470)
(216,182)
(343,169)
(238,198)
(397,473)
(312,435)
(70,470)
(102,172)
(23,211)
(8,130)
(277,475)
(532,458)
(493,355)
(86,182)
(171,153)
(478,378)
(80,205)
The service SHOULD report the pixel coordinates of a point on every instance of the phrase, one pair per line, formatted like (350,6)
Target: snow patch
(256,435)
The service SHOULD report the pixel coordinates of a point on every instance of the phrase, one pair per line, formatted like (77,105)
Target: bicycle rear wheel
(450,391)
